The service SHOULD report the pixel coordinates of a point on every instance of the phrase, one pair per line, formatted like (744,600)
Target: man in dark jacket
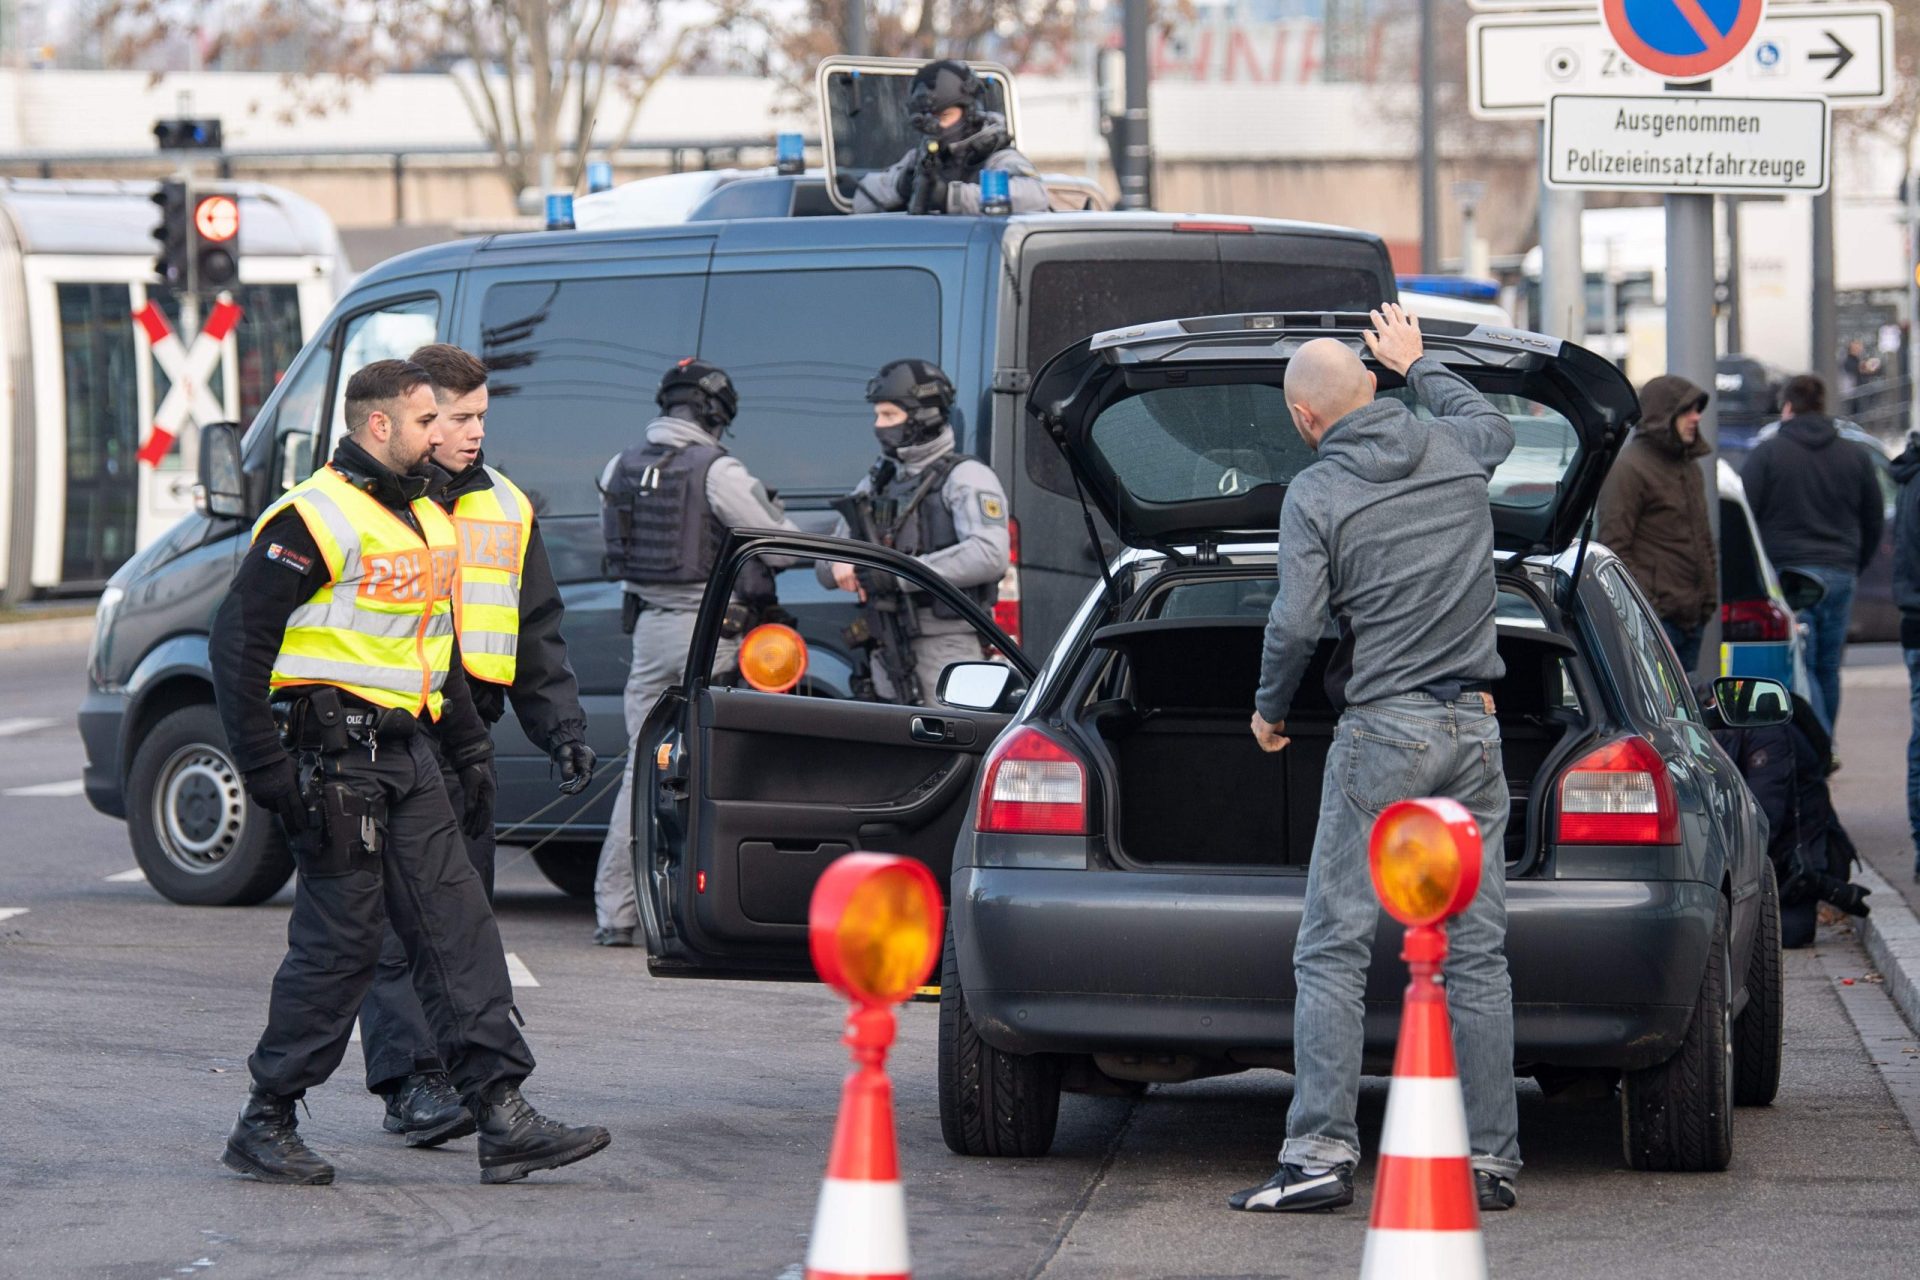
(1653,513)
(1906,593)
(1817,502)
(942,174)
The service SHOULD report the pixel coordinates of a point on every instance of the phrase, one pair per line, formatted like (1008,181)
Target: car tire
(1678,1117)
(570,865)
(991,1103)
(1759,1031)
(195,833)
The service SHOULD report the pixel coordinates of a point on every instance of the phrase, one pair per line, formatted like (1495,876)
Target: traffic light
(188,134)
(216,240)
(173,266)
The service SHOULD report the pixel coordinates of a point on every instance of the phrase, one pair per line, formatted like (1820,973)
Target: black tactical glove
(575,761)
(276,788)
(476,787)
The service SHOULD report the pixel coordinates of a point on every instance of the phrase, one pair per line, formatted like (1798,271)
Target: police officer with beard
(667,504)
(928,500)
(942,174)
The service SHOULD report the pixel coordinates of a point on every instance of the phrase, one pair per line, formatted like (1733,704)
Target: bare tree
(1011,31)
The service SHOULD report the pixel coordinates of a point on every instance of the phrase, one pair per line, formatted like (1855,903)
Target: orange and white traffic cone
(860,1226)
(1426,1210)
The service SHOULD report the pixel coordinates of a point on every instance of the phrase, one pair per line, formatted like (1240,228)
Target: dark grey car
(1128,869)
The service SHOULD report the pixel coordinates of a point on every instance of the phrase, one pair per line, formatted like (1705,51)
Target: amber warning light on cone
(773,658)
(875,927)
(1425,856)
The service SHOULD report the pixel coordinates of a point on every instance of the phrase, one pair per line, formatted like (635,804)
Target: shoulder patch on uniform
(282,554)
(992,507)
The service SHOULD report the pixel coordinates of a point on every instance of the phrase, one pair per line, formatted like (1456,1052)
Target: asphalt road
(125,1022)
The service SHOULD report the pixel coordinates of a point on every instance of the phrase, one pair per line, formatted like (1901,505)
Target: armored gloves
(276,787)
(575,761)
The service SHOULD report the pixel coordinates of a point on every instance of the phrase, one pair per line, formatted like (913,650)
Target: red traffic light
(216,218)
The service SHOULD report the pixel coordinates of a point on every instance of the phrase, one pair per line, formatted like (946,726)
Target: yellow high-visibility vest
(382,626)
(494,526)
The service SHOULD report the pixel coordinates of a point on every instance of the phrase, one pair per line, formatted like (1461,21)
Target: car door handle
(928,729)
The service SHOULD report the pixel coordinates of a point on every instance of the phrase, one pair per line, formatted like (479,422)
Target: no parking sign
(1682,39)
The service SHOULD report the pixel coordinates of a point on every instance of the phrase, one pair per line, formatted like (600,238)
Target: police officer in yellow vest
(506,614)
(335,644)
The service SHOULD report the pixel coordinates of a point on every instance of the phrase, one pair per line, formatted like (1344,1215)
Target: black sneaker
(609,936)
(1496,1192)
(516,1140)
(426,1109)
(1293,1190)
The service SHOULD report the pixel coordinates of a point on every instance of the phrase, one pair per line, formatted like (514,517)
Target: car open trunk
(1192,786)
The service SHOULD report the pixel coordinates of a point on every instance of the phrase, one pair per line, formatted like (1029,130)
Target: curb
(1892,938)
(43,634)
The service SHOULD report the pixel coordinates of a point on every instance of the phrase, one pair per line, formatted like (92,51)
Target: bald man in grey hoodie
(1388,533)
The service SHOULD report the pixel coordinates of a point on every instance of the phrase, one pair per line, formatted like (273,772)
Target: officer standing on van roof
(928,500)
(667,505)
(942,174)
(335,642)
(506,618)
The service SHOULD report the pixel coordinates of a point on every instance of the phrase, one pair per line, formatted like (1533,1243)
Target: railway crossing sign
(1682,40)
(188,368)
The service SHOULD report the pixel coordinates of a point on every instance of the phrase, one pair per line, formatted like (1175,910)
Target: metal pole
(854,37)
(1563,277)
(1826,319)
(1136,184)
(1429,148)
(1691,351)
(1734,336)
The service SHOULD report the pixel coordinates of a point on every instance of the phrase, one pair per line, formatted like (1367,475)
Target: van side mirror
(1802,589)
(977,686)
(1749,703)
(222,490)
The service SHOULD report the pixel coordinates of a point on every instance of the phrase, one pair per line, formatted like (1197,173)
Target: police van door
(743,795)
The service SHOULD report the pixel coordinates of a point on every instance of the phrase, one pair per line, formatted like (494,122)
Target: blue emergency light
(560,211)
(790,153)
(599,176)
(994,197)
(1466,288)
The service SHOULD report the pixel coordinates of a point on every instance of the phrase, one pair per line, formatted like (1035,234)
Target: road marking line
(135,876)
(24,724)
(355,1037)
(73,788)
(8,913)
(518,973)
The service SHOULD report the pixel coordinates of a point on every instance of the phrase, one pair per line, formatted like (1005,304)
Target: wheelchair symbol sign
(1683,39)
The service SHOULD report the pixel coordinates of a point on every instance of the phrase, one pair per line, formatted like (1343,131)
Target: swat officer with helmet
(667,504)
(928,500)
(942,173)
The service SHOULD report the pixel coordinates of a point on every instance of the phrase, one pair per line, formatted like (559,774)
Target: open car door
(742,798)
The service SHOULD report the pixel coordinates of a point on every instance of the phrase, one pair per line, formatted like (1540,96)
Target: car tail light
(1747,621)
(1033,786)
(1006,609)
(1227,228)
(1619,794)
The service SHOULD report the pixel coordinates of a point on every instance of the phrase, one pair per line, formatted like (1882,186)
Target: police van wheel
(570,865)
(1678,1117)
(991,1103)
(197,837)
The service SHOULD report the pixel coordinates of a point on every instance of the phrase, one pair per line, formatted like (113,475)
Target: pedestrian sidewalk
(38,633)
(1869,794)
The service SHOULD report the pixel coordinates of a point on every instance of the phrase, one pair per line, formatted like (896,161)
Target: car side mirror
(222,490)
(976,686)
(1802,589)
(1748,703)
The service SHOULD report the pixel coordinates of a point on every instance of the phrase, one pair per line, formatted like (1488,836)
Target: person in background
(961,138)
(1653,513)
(1906,594)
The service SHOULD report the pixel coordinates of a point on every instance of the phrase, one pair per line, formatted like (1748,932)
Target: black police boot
(425,1108)
(516,1140)
(264,1144)
(1496,1192)
(1293,1190)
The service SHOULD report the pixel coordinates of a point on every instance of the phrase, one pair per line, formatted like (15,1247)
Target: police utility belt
(346,818)
(329,721)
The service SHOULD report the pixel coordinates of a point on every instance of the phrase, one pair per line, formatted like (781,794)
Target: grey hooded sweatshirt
(1388,530)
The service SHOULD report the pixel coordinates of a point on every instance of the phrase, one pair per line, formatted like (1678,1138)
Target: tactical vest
(382,627)
(928,526)
(658,524)
(494,526)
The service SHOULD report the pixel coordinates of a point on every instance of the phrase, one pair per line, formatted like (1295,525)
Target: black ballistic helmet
(920,388)
(939,85)
(706,387)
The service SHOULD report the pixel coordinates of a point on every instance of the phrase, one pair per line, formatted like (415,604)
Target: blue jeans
(1686,646)
(1385,751)
(1827,635)
(1913,752)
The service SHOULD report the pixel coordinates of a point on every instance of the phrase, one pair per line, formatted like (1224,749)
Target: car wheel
(991,1103)
(196,835)
(1678,1116)
(570,865)
(1760,1028)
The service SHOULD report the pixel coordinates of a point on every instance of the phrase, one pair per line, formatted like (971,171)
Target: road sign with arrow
(1842,52)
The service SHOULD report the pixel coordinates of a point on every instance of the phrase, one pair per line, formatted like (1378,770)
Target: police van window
(801,346)
(393,332)
(573,366)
